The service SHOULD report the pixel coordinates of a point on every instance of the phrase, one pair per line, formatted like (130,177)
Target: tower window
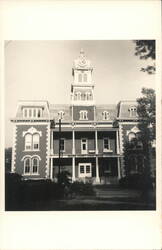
(83,115)
(85,78)
(80,77)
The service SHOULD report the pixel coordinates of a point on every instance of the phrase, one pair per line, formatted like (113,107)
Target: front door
(85,170)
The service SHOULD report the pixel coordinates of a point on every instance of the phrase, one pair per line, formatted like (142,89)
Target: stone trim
(32,131)
(14,149)
(48,142)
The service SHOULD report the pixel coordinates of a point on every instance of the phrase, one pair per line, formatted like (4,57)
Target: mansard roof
(51,111)
(124,109)
(54,109)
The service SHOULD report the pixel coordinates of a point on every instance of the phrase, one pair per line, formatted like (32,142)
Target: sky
(42,70)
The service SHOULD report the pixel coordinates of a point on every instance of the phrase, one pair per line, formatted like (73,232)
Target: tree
(147,123)
(145,49)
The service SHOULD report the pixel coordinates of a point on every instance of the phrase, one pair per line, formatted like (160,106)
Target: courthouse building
(91,140)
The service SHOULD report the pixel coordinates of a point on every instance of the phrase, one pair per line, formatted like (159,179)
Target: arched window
(36,141)
(27,165)
(131,136)
(105,115)
(83,115)
(35,165)
(80,77)
(85,78)
(28,142)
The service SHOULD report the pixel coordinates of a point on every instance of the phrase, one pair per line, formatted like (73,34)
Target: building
(90,137)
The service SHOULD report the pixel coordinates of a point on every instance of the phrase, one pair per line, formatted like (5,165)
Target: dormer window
(133,111)
(105,115)
(83,115)
(61,114)
(32,112)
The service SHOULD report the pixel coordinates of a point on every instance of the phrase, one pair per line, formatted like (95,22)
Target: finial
(82,51)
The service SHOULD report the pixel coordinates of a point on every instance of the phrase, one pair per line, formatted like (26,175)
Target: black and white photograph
(80,110)
(80,125)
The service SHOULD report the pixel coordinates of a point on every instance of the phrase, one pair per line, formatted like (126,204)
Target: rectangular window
(88,169)
(85,170)
(106,144)
(62,144)
(82,169)
(36,146)
(84,146)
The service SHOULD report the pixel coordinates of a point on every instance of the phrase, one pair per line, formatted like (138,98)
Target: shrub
(80,188)
(136,181)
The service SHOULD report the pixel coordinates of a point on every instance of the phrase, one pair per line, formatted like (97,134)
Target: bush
(136,181)
(80,188)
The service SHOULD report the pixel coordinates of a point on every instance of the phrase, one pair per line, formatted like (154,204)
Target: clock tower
(82,89)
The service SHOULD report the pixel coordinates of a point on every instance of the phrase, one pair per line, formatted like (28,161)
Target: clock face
(82,63)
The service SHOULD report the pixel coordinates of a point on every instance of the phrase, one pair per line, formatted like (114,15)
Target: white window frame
(27,158)
(31,147)
(86,143)
(109,145)
(31,160)
(32,165)
(32,142)
(85,174)
(83,115)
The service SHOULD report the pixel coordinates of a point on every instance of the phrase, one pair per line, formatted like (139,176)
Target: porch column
(51,141)
(73,158)
(73,142)
(96,141)
(97,171)
(73,169)
(97,167)
(117,142)
(51,170)
(118,163)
